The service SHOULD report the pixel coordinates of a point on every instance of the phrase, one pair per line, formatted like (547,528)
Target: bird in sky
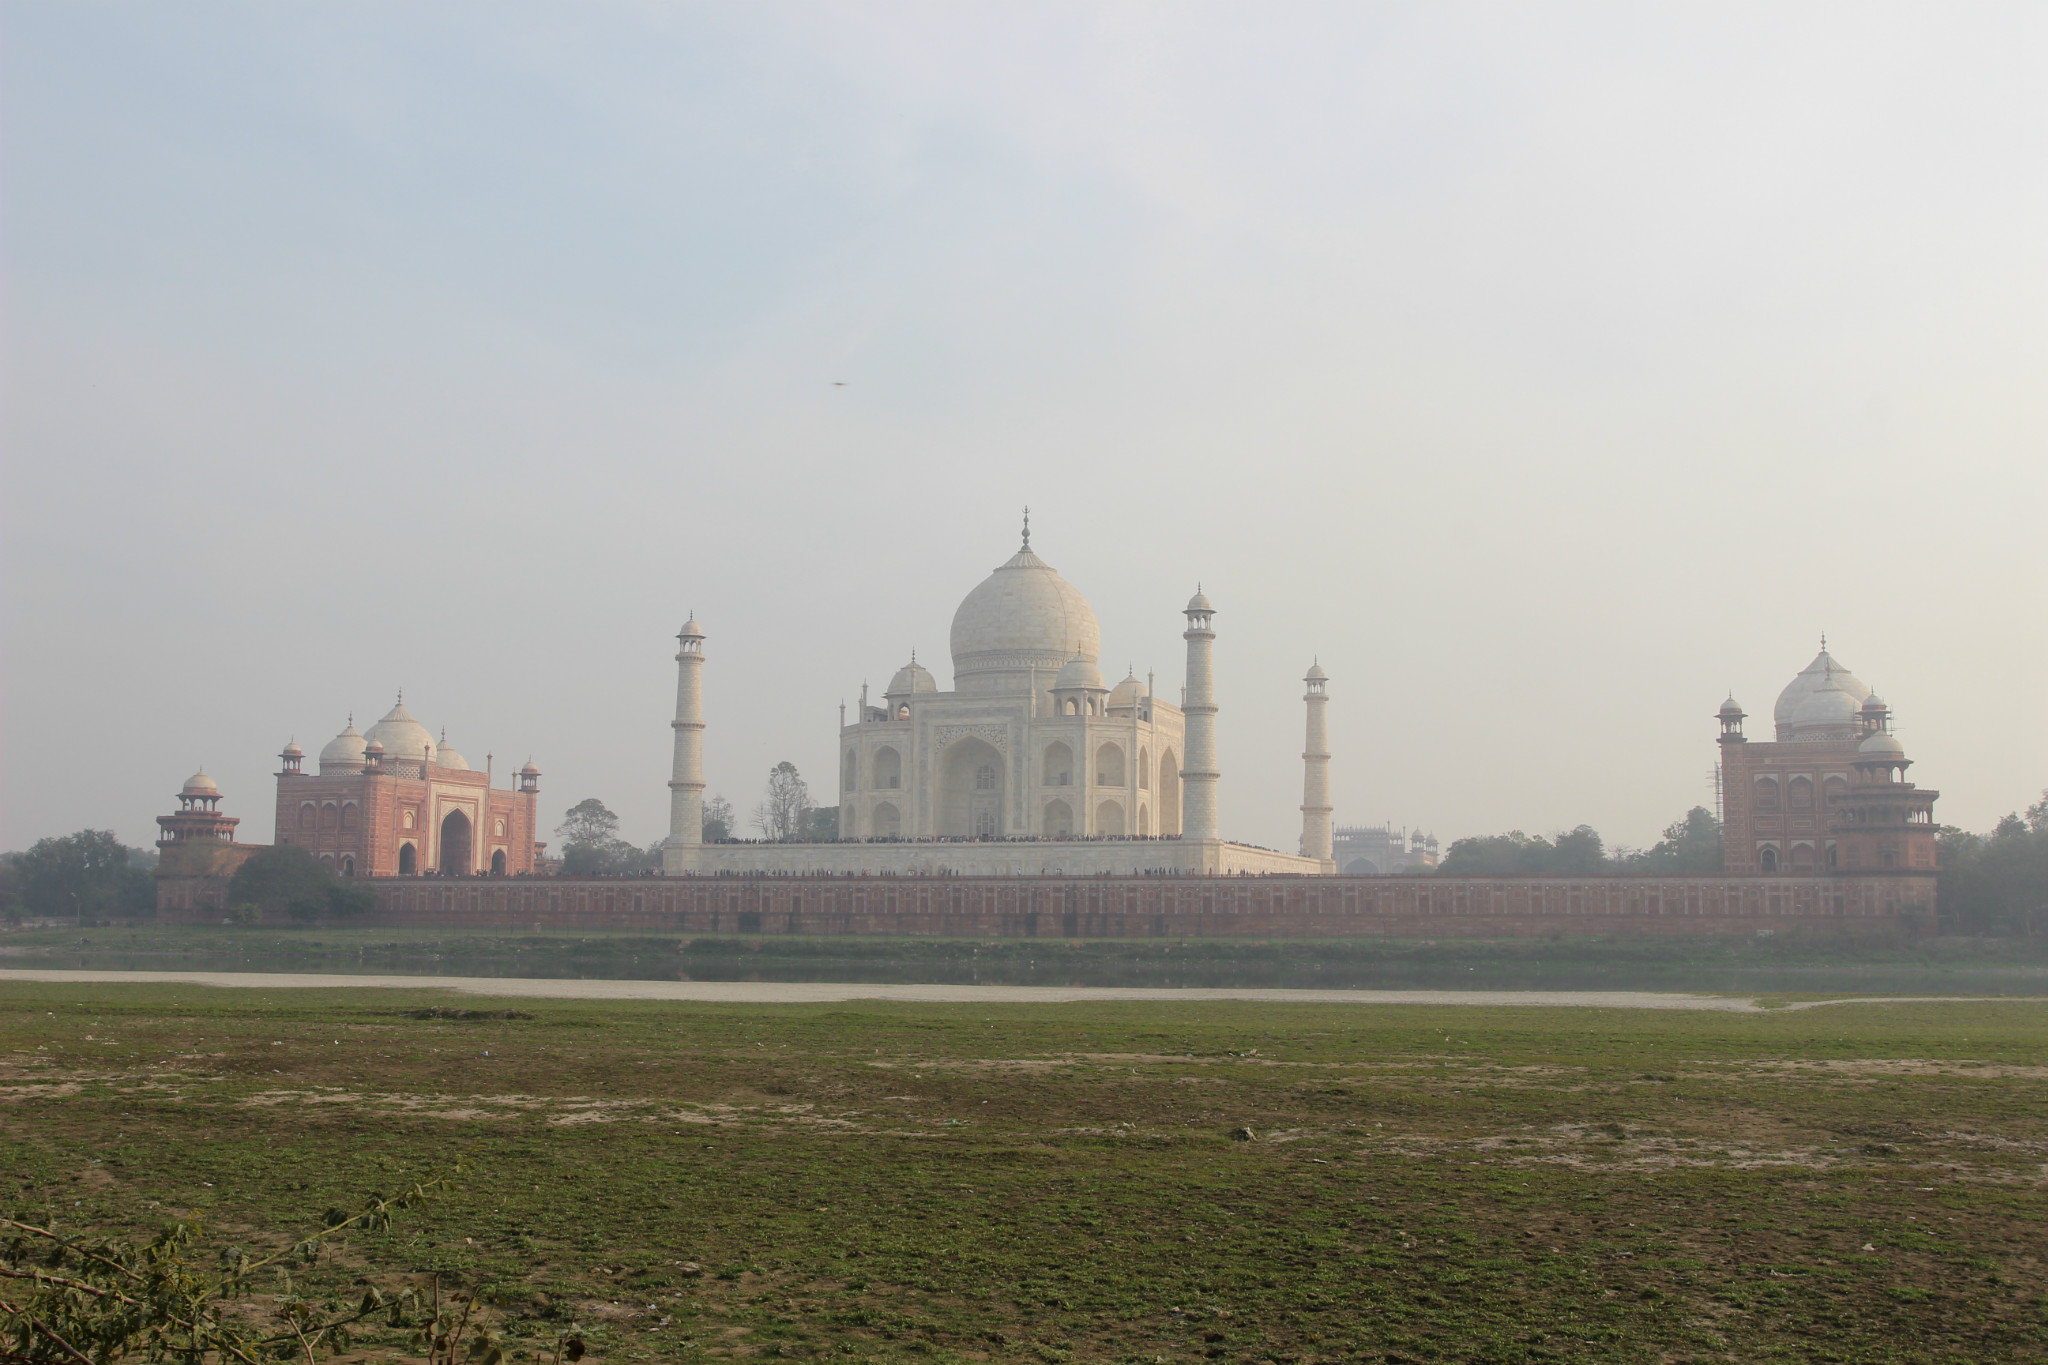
(839,383)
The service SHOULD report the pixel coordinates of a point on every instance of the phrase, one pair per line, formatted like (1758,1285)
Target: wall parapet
(1159,907)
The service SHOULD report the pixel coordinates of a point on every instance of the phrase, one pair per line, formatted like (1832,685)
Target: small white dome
(1079,674)
(344,753)
(1881,745)
(1126,695)
(199,784)
(530,770)
(691,630)
(1731,707)
(292,749)
(1873,702)
(1199,602)
(401,735)
(1315,674)
(913,677)
(445,757)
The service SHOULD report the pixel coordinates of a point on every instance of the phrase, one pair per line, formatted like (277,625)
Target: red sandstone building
(396,803)
(1828,794)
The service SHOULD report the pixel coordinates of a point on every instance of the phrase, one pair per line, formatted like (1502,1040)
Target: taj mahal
(1032,763)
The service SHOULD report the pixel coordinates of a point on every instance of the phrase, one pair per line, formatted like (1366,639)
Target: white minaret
(1315,770)
(1198,778)
(686,785)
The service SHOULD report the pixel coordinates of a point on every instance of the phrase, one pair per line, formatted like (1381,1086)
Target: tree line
(590,845)
(1689,845)
(1997,883)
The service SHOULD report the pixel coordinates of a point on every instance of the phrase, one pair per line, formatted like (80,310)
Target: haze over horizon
(1547,374)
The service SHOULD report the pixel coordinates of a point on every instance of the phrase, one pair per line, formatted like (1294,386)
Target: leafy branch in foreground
(96,1302)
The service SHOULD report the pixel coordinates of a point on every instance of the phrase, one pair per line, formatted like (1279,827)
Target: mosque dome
(1823,672)
(401,735)
(344,752)
(912,677)
(199,784)
(1126,695)
(1022,616)
(1881,745)
(1199,602)
(292,750)
(1826,709)
(1079,673)
(1315,674)
(1731,707)
(445,757)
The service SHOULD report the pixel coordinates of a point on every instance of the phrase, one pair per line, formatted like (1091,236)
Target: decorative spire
(1027,526)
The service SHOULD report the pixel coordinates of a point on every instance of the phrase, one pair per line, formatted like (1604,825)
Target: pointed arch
(1059,820)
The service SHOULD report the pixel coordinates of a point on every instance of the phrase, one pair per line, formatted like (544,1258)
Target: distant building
(394,803)
(1828,793)
(1366,850)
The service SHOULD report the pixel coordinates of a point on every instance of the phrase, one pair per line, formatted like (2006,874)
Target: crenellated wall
(1160,907)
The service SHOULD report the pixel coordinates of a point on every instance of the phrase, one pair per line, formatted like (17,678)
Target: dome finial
(1027,525)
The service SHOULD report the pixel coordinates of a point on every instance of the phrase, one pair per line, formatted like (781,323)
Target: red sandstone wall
(1165,907)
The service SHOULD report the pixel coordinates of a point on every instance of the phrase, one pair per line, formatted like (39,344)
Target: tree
(1690,845)
(287,880)
(1997,883)
(1497,855)
(824,825)
(85,874)
(588,822)
(591,846)
(785,810)
(720,820)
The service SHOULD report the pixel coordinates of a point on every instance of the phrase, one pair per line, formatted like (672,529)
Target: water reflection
(1942,966)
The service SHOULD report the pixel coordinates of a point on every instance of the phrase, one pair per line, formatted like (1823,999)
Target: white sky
(1546,370)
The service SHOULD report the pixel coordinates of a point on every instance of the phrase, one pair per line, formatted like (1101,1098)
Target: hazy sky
(1546,370)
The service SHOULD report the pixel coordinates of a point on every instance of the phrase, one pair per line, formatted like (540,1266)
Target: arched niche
(1059,820)
(970,789)
(1144,769)
(1109,766)
(1059,765)
(888,821)
(1109,819)
(455,845)
(497,862)
(408,860)
(888,769)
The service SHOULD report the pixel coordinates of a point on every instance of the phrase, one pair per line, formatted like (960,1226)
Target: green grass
(1059,1182)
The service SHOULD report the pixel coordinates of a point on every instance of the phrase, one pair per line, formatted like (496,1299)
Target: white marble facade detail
(1029,744)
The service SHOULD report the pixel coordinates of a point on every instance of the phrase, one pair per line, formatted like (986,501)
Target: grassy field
(1050,1183)
(1727,964)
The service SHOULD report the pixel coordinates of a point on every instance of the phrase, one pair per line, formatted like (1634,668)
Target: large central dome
(1023,617)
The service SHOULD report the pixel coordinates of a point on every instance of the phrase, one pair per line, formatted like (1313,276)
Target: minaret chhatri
(686,783)
(1315,769)
(1198,778)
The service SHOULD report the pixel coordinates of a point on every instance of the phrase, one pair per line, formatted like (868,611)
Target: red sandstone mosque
(1829,792)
